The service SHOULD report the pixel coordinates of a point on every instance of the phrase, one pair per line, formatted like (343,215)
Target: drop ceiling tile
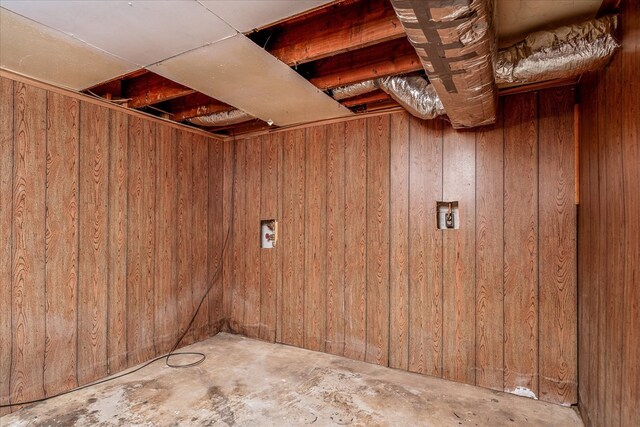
(247,15)
(37,51)
(517,18)
(240,73)
(142,32)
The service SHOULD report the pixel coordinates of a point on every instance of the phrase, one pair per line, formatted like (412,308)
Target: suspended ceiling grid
(171,34)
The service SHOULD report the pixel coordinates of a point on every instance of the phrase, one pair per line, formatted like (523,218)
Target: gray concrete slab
(245,382)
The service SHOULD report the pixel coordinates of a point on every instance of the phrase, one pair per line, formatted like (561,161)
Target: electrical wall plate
(268,233)
(447,215)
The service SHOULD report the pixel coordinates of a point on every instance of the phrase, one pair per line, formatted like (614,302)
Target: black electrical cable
(172,352)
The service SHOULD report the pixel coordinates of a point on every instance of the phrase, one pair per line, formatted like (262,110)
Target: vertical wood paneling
(631,169)
(458,270)
(238,252)
(355,211)
(378,240)
(217,235)
(489,256)
(269,258)
(117,293)
(399,242)
(185,236)
(521,244)
(335,337)
(315,245)
(200,236)
(93,261)
(61,249)
(166,254)
(229,173)
(28,240)
(557,294)
(292,238)
(253,181)
(81,291)
(6,194)
(140,251)
(614,248)
(609,235)
(425,248)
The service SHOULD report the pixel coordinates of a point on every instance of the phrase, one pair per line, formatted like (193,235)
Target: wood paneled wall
(609,236)
(360,269)
(110,228)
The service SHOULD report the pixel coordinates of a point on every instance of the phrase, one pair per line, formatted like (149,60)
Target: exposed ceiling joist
(149,89)
(338,28)
(194,105)
(380,60)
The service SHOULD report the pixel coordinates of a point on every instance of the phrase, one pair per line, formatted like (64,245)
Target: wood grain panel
(117,293)
(399,242)
(315,251)
(425,248)
(458,308)
(200,236)
(28,240)
(229,165)
(138,333)
(252,307)
(217,235)
(521,244)
(61,251)
(269,257)
(78,205)
(355,234)
(93,260)
(166,274)
(292,239)
(238,253)
(185,300)
(6,194)
(377,243)
(557,251)
(335,337)
(489,255)
(631,170)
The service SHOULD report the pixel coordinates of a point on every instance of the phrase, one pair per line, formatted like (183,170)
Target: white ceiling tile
(37,51)
(240,73)
(142,32)
(517,18)
(246,15)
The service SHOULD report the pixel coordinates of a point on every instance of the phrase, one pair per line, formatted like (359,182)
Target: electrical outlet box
(268,233)
(448,215)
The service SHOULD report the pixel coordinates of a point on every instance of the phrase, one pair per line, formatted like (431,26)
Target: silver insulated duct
(224,118)
(566,51)
(414,93)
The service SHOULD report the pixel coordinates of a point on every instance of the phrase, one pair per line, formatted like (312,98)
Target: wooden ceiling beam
(367,98)
(150,88)
(338,28)
(193,105)
(381,60)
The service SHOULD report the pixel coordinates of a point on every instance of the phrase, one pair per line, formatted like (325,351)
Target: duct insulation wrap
(224,118)
(355,89)
(560,53)
(414,93)
(455,42)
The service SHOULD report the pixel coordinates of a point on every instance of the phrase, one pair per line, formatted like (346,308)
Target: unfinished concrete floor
(245,382)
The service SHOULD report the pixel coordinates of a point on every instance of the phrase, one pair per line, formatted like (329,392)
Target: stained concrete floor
(245,382)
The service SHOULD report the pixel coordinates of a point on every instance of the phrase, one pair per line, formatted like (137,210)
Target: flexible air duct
(224,118)
(566,51)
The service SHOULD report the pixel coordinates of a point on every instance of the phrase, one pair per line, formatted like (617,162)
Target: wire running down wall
(361,271)
(110,226)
